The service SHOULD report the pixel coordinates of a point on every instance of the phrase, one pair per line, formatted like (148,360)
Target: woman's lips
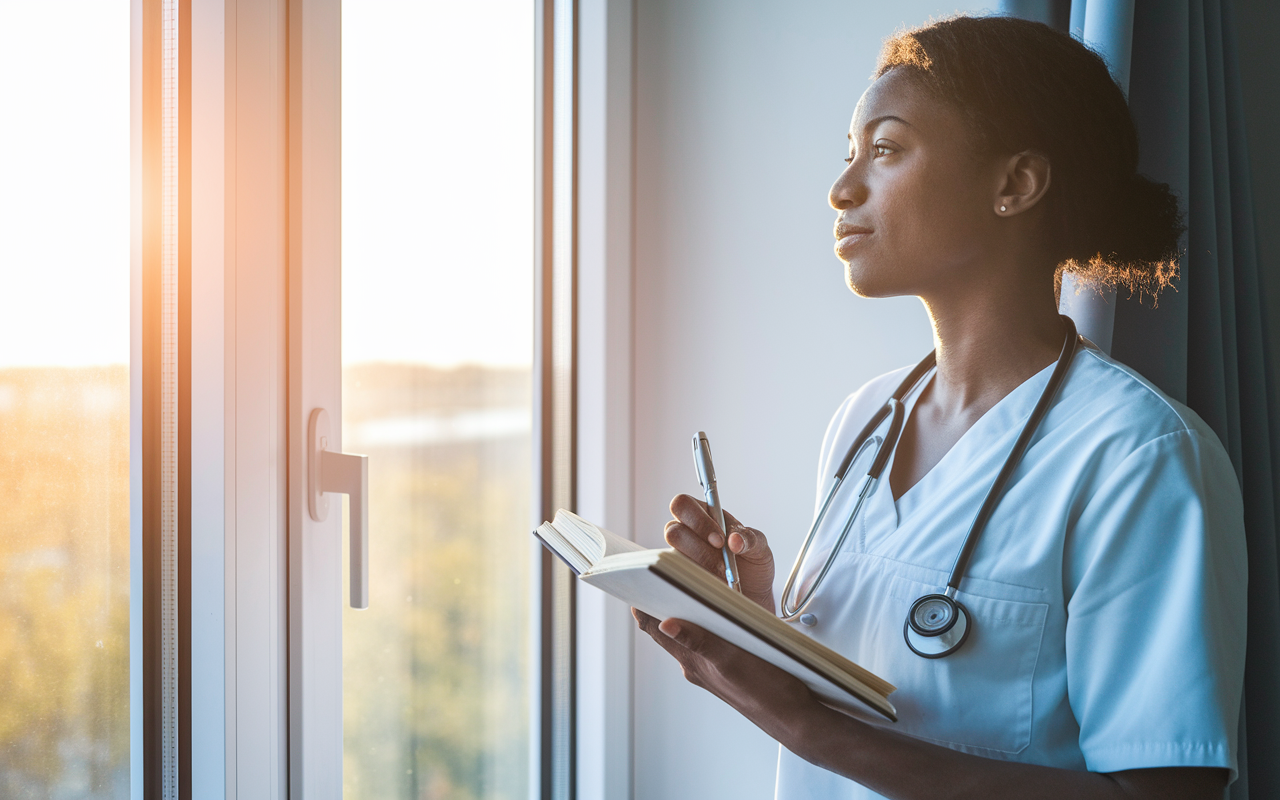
(848,237)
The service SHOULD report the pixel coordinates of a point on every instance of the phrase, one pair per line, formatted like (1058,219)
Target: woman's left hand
(774,700)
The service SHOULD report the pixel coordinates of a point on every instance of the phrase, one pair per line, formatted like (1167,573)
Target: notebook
(665,583)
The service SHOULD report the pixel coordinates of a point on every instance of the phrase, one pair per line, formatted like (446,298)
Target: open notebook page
(592,541)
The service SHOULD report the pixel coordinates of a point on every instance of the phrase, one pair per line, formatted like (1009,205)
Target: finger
(696,515)
(749,543)
(695,547)
(693,638)
(688,661)
(649,625)
(640,616)
(653,626)
(692,665)
(731,523)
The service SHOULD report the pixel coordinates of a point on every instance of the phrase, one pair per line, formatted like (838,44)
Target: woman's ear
(1023,182)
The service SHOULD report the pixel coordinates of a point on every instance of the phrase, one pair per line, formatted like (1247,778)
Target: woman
(1107,589)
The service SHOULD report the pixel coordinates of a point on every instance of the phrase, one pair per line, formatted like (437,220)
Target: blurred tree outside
(436,671)
(64,582)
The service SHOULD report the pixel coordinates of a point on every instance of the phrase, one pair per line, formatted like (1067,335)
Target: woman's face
(915,204)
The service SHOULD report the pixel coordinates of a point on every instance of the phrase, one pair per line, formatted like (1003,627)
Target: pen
(707,477)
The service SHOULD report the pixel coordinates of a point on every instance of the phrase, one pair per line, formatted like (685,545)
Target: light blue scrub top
(1107,592)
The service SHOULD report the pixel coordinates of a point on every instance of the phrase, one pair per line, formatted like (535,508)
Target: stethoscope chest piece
(936,626)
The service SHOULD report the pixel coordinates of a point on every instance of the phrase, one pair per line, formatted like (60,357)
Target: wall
(743,325)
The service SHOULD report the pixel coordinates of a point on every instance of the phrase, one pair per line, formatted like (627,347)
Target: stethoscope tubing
(1011,462)
(790,615)
(894,407)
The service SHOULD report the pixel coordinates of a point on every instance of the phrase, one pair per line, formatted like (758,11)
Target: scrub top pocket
(978,699)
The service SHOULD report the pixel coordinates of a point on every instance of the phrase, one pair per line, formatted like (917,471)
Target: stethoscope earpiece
(936,626)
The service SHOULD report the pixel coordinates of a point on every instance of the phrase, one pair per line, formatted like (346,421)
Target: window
(437,345)
(170,235)
(64,401)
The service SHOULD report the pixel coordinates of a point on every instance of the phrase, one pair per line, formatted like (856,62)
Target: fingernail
(669,628)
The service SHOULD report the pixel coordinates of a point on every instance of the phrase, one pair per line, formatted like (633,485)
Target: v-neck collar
(997,427)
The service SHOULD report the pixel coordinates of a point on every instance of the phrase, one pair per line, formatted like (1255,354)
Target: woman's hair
(1021,85)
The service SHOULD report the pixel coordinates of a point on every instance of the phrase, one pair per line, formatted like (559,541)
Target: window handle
(347,474)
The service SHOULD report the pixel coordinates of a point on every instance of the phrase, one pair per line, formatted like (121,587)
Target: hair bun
(1150,218)
(1134,241)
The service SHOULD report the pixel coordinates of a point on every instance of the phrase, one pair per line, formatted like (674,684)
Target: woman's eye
(882,150)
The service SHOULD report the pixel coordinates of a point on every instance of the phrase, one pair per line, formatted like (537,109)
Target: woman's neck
(988,344)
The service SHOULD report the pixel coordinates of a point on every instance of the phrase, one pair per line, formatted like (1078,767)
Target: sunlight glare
(437,183)
(64,197)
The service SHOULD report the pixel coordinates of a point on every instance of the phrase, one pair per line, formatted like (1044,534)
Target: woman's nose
(848,190)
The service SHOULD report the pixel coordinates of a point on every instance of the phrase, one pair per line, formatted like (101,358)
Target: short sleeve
(1155,576)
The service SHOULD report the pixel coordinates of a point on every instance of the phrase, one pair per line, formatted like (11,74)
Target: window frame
(263,715)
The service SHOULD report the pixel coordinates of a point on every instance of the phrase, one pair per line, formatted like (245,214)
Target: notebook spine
(546,544)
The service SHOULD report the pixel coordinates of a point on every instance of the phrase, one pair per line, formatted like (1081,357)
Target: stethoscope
(937,624)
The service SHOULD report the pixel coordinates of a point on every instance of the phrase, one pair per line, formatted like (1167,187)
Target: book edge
(538,533)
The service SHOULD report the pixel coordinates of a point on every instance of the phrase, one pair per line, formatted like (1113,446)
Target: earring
(1002,208)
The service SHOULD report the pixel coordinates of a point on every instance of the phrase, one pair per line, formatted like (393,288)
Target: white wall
(743,325)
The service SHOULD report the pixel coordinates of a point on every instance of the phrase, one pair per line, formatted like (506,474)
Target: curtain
(1208,345)
(1212,342)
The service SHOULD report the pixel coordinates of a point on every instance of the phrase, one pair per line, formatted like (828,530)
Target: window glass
(437,276)
(64,400)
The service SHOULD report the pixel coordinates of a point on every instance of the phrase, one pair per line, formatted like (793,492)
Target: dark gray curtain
(1208,345)
(1200,82)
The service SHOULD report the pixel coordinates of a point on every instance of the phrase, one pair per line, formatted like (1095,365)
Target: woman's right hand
(695,534)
